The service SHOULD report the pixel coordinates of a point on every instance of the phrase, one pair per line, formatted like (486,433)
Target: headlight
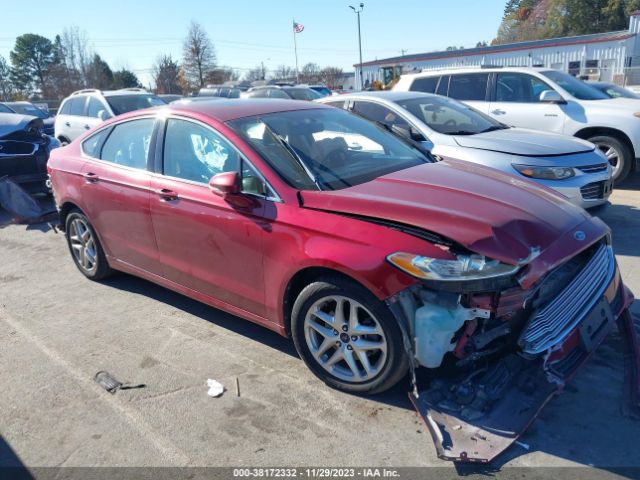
(465,267)
(545,173)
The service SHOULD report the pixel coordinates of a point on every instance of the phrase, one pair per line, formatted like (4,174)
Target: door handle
(91,177)
(166,194)
(67,124)
(497,111)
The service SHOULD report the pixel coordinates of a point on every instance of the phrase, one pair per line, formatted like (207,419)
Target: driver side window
(519,88)
(196,153)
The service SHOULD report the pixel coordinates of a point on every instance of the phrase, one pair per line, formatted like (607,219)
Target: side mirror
(103,115)
(224,184)
(551,96)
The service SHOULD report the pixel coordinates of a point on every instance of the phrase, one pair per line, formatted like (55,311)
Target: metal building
(611,56)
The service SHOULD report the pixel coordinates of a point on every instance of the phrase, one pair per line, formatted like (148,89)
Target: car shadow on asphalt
(247,329)
(10,464)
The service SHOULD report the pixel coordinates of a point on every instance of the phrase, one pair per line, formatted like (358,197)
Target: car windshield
(575,87)
(616,91)
(302,93)
(5,109)
(29,110)
(326,149)
(449,116)
(127,103)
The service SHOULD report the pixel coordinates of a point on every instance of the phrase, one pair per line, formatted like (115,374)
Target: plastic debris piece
(22,207)
(215,388)
(111,385)
(106,381)
(522,445)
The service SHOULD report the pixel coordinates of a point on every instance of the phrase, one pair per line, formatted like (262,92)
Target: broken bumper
(475,417)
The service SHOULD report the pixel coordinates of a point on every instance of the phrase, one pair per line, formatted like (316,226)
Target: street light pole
(357,12)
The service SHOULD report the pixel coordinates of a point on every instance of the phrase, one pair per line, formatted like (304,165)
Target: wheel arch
(65,210)
(300,280)
(589,132)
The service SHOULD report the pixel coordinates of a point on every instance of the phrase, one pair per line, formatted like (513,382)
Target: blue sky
(133,33)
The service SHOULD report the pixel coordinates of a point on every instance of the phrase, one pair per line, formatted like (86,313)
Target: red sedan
(374,257)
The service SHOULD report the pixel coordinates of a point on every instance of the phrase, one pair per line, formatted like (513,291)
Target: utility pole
(357,12)
(403,51)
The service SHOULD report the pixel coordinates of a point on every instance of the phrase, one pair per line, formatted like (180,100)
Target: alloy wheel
(345,338)
(612,154)
(83,245)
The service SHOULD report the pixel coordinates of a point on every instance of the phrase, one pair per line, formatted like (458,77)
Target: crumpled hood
(486,211)
(13,122)
(520,141)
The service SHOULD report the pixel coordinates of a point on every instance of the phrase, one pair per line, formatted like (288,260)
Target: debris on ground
(216,389)
(111,384)
(22,206)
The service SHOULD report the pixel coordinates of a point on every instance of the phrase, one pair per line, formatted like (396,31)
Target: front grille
(593,191)
(593,168)
(553,322)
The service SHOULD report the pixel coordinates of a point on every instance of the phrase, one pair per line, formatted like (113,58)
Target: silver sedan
(452,129)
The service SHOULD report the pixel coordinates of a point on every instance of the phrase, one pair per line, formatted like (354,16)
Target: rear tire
(618,154)
(85,247)
(359,352)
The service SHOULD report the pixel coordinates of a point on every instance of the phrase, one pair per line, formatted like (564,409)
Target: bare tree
(77,53)
(6,86)
(256,73)
(166,75)
(220,75)
(284,72)
(199,56)
(331,77)
(310,73)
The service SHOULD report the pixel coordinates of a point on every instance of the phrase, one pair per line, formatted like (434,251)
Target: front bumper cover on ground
(475,417)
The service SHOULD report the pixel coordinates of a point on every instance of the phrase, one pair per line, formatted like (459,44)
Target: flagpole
(295,49)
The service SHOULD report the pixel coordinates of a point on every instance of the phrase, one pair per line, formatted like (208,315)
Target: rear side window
(76,106)
(472,86)
(426,84)
(91,146)
(128,143)
(276,93)
(260,93)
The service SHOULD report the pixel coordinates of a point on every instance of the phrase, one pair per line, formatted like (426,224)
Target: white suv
(543,99)
(84,109)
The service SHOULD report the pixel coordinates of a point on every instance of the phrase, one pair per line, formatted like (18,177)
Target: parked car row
(451,129)
(377,258)
(543,99)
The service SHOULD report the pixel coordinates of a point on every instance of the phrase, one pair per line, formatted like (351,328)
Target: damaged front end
(497,351)
(24,151)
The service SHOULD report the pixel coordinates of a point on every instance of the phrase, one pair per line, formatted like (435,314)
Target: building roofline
(507,47)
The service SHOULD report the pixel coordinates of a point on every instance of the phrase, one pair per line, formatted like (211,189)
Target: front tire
(347,337)
(85,247)
(618,155)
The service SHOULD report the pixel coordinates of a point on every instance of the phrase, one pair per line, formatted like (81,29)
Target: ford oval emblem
(579,235)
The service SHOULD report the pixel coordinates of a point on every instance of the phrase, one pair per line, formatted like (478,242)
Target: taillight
(49,169)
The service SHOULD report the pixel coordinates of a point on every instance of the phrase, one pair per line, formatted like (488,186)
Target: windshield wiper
(462,132)
(293,153)
(493,128)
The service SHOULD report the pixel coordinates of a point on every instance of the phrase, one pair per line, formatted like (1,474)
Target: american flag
(298,27)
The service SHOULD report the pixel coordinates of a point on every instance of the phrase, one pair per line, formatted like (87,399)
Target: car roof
(450,71)
(232,109)
(389,95)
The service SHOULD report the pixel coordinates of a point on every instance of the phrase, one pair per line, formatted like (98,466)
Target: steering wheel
(450,123)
